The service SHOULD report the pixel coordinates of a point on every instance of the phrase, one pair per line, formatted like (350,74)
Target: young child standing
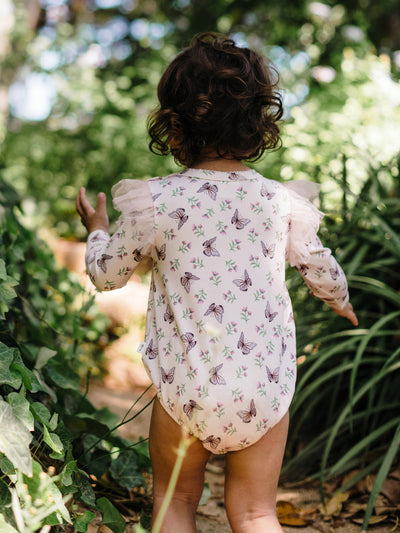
(220,338)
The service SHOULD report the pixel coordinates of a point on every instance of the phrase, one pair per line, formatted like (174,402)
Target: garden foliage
(55,446)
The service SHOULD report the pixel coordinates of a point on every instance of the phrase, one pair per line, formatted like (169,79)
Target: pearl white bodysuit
(220,337)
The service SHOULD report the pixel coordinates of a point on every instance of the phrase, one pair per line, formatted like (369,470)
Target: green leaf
(62,376)
(66,473)
(21,409)
(82,522)
(111,516)
(41,413)
(86,492)
(14,442)
(124,470)
(5,527)
(52,440)
(6,359)
(43,356)
(7,468)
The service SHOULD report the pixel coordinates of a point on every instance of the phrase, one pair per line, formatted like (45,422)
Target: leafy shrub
(54,444)
(346,408)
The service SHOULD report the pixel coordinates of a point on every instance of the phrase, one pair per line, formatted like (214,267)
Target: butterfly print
(155,196)
(186,280)
(150,351)
(209,250)
(268,251)
(137,256)
(188,339)
(168,376)
(97,237)
(334,272)
(102,262)
(244,283)
(240,223)
(273,375)
(284,346)
(246,416)
(212,441)
(189,407)
(218,311)
(210,189)
(161,252)
(179,215)
(234,176)
(265,193)
(215,378)
(168,316)
(303,269)
(268,314)
(246,347)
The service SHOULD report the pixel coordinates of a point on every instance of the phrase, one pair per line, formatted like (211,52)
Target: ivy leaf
(43,356)
(52,440)
(41,413)
(124,470)
(14,442)
(82,522)
(6,359)
(21,409)
(111,516)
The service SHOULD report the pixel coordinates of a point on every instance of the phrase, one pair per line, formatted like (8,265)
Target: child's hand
(91,218)
(347,312)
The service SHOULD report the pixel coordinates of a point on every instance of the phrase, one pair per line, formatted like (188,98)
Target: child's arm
(111,260)
(319,269)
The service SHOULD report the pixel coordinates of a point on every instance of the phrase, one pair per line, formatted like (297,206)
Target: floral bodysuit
(220,337)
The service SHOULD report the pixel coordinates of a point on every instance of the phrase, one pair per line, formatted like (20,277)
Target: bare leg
(251,483)
(165,436)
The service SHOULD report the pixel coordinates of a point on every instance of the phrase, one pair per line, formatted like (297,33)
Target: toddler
(220,337)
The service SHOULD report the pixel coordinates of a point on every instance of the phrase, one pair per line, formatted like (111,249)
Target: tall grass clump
(346,412)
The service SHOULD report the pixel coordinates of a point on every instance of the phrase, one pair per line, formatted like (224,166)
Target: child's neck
(223,165)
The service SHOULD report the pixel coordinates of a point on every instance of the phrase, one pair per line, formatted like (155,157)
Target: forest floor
(125,380)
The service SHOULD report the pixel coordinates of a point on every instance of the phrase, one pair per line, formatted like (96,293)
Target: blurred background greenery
(77,80)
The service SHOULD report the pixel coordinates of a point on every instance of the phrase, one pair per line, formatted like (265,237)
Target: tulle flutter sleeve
(305,219)
(111,260)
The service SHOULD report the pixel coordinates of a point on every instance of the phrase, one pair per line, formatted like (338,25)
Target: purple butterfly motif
(161,252)
(284,346)
(168,375)
(188,408)
(273,375)
(150,351)
(268,251)
(269,314)
(239,223)
(244,283)
(210,189)
(187,279)
(209,249)
(168,315)
(215,377)
(155,196)
(97,237)
(137,255)
(212,441)
(334,272)
(102,261)
(188,340)
(217,310)
(179,215)
(246,416)
(234,176)
(303,269)
(244,346)
(265,193)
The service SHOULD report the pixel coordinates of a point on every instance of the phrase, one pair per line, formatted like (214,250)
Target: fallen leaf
(335,504)
(391,489)
(289,515)
(373,520)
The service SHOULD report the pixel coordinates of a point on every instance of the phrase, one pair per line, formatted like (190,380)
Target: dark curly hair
(216,98)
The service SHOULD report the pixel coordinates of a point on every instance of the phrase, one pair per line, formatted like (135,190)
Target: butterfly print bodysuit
(220,338)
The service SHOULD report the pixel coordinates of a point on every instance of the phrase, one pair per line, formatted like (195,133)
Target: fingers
(83,205)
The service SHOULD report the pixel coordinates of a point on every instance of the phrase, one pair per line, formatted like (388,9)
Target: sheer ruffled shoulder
(134,200)
(305,220)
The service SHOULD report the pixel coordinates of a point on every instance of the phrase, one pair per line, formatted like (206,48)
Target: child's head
(216,99)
